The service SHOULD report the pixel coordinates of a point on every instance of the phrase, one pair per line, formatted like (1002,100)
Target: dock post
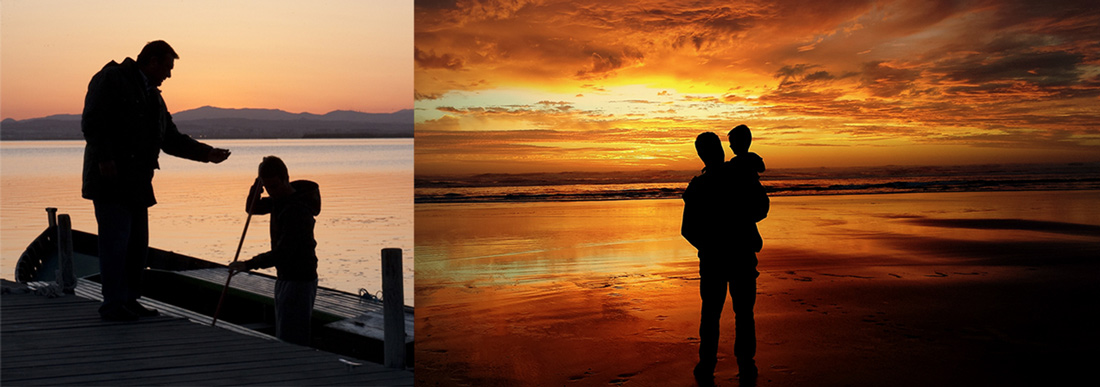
(393,308)
(65,278)
(53,215)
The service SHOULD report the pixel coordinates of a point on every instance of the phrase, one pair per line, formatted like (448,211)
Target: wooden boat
(343,323)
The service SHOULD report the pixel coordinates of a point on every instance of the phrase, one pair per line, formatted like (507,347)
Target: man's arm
(694,226)
(181,145)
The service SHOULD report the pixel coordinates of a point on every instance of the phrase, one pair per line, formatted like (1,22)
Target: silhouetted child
(743,170)
(292,205)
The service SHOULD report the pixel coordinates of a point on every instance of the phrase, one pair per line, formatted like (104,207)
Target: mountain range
(210,122)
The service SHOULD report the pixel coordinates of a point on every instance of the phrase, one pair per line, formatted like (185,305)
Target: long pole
(247,220)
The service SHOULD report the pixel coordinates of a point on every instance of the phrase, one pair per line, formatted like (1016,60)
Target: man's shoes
(117,313)
(136,308)
(704,376)
(747,371)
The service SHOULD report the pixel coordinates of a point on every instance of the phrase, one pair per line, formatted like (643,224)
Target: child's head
(273,174)
(709,147)
(273,167)
(740,138)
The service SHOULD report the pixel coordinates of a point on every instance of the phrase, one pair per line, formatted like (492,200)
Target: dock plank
(62,341)
(345,305)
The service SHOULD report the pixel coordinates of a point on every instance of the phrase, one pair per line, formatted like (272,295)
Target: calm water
(366,189)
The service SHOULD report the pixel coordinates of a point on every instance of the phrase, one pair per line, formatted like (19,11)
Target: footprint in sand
(810,306)
(782,369)
(876,319)
(621,378)
(583,376)
(797,277)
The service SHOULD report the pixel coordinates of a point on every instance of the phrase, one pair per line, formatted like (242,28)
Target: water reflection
(367,186)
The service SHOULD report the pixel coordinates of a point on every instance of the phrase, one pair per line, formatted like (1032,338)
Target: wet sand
(908,289)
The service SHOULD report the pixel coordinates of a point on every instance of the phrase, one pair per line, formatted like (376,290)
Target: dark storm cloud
(429,60)
(886,81)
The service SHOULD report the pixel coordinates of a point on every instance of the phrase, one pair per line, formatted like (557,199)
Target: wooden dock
(60,341)
(348,306)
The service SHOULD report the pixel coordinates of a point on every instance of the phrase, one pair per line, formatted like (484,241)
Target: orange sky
(296,56)
(520,86)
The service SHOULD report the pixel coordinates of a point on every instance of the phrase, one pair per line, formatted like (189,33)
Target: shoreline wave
(596,186)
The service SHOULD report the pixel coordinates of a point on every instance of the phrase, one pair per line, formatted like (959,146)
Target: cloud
(887,81)
(605,62)
(1040,68)
(418,96)
(872,72)
(429,60)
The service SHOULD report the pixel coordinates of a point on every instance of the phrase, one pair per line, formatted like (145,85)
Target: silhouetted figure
(749,202)
(721,208)
(745,168)
(126,124)
(705,195)
(292,205)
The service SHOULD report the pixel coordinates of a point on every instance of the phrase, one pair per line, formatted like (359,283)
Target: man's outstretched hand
(217,155)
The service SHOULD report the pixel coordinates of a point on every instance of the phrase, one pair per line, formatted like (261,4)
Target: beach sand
(867,290)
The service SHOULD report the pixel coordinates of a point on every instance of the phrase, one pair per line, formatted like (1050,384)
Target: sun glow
(829,84)
(289,55)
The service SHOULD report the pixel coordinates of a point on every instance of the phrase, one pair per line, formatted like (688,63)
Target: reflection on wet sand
(908,289)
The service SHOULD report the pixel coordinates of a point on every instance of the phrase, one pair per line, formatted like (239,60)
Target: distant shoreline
(218,123)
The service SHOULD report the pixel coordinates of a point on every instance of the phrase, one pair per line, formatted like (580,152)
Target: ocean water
(366,188)
(587,186)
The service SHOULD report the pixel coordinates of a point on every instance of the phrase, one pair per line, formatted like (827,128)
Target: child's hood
(307,193)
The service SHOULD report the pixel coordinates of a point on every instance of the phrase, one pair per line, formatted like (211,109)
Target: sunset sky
(297,56)
(522,86)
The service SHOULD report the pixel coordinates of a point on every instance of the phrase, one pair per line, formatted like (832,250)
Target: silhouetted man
(719,222)
(292,205)
(126,124)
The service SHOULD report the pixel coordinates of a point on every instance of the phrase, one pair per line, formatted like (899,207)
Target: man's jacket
(717,217)
(128,123)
